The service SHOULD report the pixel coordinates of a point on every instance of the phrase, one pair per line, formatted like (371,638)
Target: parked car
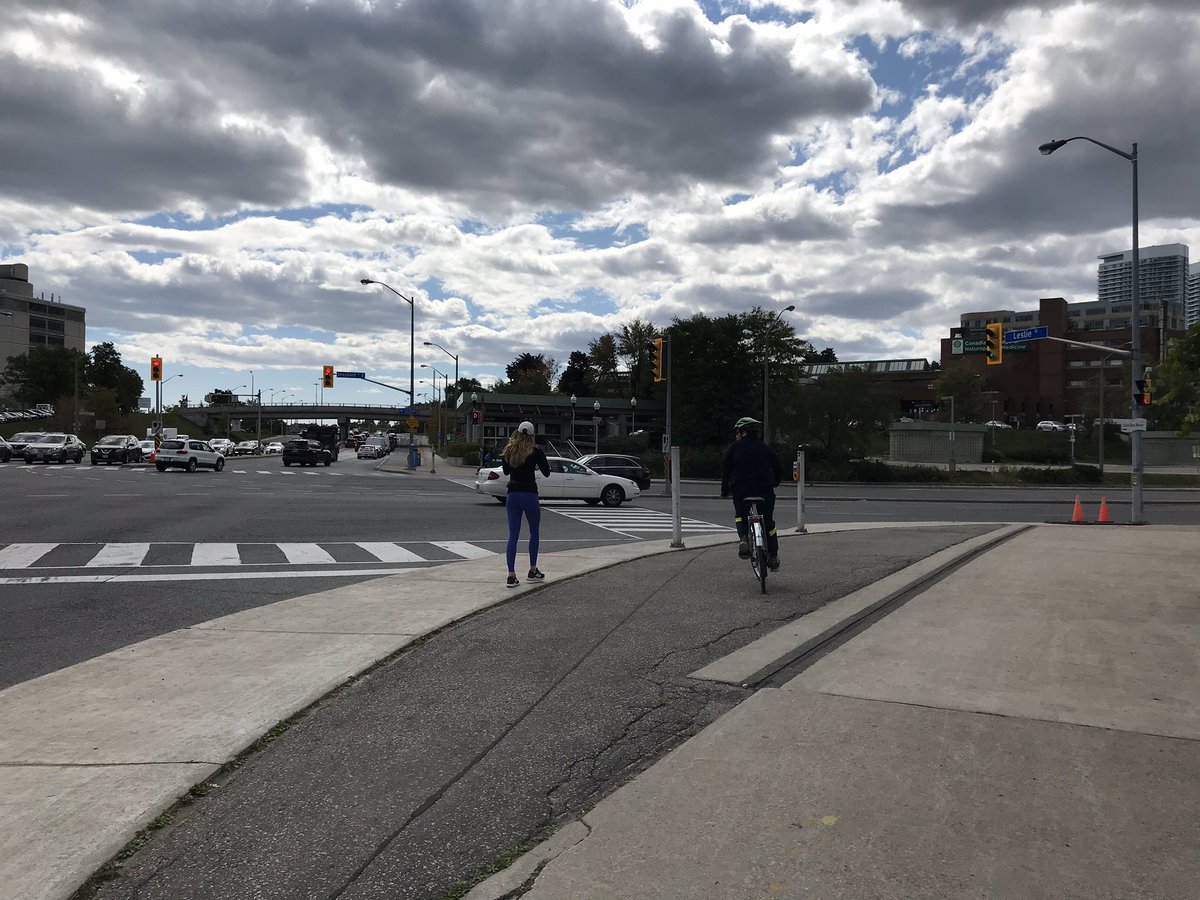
(221,445)
(6,450)
(19,441)
(568,481)
(274,448)
(247,448)
(116,448)
(56,448)
(303,452)
(369,451)
(613,464)
(379,441)
(996,423)
(148,450)
(189,455)
(1050,425)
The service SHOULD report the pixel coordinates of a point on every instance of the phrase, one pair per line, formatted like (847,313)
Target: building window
(37,339)
(54,341)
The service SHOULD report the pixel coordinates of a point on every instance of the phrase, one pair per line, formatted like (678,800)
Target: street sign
(350,374)
(1129,425)
(1016,335)
(413,424)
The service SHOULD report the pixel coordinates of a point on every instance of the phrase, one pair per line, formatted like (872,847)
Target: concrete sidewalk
(1027,726)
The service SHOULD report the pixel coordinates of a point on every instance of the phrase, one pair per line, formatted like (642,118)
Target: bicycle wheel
(760,560)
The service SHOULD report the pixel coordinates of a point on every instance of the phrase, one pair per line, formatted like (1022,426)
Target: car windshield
(52,439)
(109,441)
(27,436)
(300,444)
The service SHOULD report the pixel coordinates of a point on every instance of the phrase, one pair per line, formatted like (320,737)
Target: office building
(27,321)
(1162,279)
(1191,312)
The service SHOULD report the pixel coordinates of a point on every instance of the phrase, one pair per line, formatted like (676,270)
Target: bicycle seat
(752,499)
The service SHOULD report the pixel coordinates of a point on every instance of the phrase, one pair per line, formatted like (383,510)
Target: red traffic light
(475,416)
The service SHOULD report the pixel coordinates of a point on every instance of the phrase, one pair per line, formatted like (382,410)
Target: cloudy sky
(212,178)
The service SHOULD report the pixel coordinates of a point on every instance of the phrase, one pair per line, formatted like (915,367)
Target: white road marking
(464,549)
(119,555)
(386,551)
(215,555)
(20,556)
(203,576)
(305,553)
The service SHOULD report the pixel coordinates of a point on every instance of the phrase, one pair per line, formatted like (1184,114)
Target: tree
(603,355)
(839,410)
(777,351)
(966,387)
(1176,386)
(714,378)
(635,346)
(104,369)
(528,374)
(45,373)
(577,377)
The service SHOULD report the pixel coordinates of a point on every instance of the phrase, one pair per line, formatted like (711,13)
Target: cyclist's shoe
(773,563)
(513,581)
(536,574)
(743,550)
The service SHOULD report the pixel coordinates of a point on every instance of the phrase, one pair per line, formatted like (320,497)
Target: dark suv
(304,452)
(623,466)
(117,448)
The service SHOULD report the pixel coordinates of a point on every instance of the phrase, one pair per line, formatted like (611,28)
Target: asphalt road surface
(93,558)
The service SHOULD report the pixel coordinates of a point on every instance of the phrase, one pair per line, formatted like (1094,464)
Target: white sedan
(568,481)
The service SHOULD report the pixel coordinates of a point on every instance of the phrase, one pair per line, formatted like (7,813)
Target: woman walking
(521,458)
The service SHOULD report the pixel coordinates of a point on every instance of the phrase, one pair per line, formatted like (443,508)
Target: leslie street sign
(1018,335)
(350,374)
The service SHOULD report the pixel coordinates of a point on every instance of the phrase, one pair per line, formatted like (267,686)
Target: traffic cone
(1104,519)
(1077,515)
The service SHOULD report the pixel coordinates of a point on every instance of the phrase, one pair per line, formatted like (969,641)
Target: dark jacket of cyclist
(751,469)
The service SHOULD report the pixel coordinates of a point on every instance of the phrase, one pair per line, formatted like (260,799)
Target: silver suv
(57,448)
(190,455)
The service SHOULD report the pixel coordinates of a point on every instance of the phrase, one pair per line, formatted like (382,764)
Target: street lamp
(412,354)
(766,355)
(453,356)
(1135,321)
(596,425)
(571,439)
(446,380)
(633,415)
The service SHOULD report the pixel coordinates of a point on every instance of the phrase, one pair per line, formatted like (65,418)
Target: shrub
(1073,475)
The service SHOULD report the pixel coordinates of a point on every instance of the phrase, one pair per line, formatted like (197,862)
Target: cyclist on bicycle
(751,469)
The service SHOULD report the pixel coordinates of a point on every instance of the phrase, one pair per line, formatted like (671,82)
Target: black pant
(767,508)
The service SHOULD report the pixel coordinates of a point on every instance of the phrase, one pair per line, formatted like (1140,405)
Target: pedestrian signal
(993,343)
(1141,394)
(659,362)
(475,416)
(156,368)
(327,376)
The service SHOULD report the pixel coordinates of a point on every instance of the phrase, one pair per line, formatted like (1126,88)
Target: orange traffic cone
(1077,515)
(1104,519)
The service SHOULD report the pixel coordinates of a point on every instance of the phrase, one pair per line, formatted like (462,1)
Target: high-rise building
(1191,313)
(1162,278)
(28,321)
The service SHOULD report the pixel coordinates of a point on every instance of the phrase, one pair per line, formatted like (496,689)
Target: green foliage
(578,376)
(1176,392)
(966,387)
(602,352)
(840,414)
(459,449)
(43,374)
(1072,475)
(635,346)
(528,374)
(714,365)
(104,369)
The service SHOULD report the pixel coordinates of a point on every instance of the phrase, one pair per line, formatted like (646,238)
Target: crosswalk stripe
(464,549)
(19,556)
(387,551)
(119,555)
(215,555)
(305,553)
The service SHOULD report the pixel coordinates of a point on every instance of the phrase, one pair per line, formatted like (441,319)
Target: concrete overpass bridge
(213,416)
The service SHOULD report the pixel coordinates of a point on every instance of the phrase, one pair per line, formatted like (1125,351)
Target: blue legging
(518,503)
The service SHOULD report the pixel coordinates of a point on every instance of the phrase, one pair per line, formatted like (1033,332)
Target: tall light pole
(1135,323)
(412,355)
(453,356)
(571,439)
(633,414)
(950,397)
(596,425)
(435,372)
(766,356)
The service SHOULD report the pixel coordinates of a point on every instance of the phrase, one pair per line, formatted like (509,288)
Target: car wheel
(160,467)
(218,465)
(612,495)
(327,462)
(592,501)
(286,464)
(501,500)
(192,465)
(93,461)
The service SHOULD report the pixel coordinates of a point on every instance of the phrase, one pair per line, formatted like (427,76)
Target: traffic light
(474,417)
(659,360)
(993,343)
(1141,392)
(327,376)
(156,368)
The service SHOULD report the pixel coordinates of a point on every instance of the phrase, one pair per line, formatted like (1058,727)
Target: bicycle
(757,537)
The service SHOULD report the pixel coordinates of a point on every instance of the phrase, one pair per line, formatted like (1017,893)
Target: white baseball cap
(526,427)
